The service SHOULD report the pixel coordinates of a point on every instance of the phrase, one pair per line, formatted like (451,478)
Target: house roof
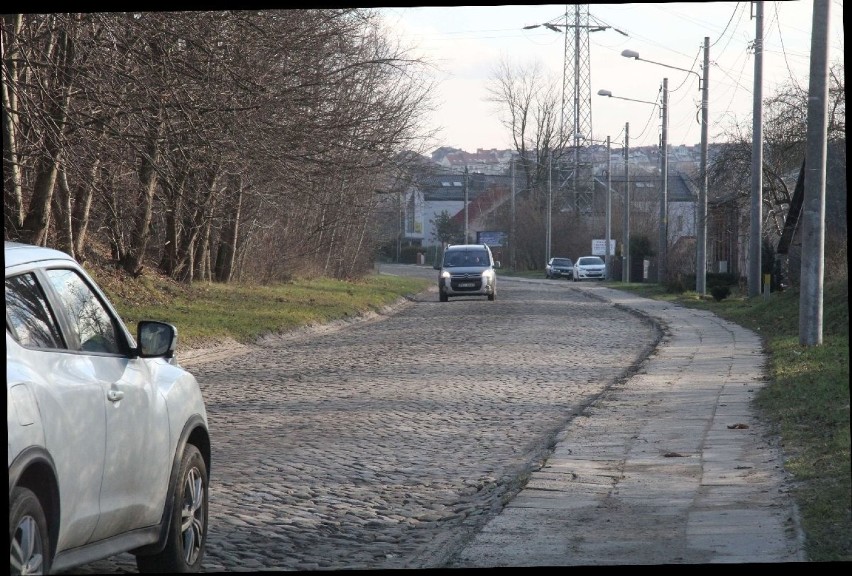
(680,186)
(438,187)
(482,204)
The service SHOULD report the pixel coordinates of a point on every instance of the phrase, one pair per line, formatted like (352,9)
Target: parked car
(109,450)
(467,270)
(589,268)
(558,268)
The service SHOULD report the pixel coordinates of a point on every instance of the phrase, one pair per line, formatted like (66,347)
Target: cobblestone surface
(388,443)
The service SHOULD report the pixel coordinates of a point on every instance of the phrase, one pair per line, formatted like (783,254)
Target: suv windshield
(466,258)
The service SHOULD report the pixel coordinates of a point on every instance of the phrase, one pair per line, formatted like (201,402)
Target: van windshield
(466,258)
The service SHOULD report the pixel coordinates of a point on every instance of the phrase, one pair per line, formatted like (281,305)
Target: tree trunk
(174,195)
(230,233)
(62,203)
(13,205)
(82,208)
(202,247)
(37,219)
(132,261)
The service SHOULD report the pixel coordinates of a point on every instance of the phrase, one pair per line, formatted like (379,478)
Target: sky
(468,42)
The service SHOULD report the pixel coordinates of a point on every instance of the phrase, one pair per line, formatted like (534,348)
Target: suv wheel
(188,529)
(29,541)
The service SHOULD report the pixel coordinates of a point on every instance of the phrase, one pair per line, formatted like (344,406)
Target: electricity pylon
(577,97)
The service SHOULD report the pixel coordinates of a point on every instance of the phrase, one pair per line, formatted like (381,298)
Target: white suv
(109,450)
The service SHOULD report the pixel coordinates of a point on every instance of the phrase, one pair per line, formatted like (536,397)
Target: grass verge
(207,313)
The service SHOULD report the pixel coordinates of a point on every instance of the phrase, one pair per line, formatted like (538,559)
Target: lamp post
(625,270)
(664,169)
(607,254)
(701,217)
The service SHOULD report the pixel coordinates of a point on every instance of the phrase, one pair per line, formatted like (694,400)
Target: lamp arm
(672,67)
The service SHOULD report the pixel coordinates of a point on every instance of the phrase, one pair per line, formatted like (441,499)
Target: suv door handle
(115,395)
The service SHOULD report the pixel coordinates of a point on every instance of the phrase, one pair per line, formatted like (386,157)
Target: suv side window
(28,314)
(88,316)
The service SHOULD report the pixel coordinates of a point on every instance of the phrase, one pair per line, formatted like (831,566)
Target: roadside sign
(492,238)
(599,247)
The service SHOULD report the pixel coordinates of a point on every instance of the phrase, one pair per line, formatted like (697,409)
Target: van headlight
(445,275)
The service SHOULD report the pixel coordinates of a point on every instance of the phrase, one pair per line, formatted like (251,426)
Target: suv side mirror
(496,263)
(156,339)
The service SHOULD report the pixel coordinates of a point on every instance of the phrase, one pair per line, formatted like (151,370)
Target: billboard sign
(493,238)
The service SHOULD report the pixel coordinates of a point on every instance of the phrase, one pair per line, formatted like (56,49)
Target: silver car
(109,450)
(467,270)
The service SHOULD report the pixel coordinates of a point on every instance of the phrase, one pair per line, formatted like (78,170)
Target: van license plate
(466,284)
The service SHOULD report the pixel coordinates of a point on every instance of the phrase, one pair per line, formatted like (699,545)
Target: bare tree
(10,45)
(531,106)
(785,129)
(206,142)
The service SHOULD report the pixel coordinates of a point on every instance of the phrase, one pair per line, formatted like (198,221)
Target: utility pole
(512,239)
(813,209)
(466,238)
(607,254)
(756,235)
(664,195)
(549,206)
(625,268)
(701,224)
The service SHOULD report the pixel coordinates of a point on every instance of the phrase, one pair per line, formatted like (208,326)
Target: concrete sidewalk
(669,467)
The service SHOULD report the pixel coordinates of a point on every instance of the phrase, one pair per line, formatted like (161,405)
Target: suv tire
(188,527)
(28,537)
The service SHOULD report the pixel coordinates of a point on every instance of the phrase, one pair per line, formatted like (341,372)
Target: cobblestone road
(389,443)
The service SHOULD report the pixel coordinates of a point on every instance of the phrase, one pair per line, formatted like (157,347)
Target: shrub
(678,284)
(720,292)
(721,279)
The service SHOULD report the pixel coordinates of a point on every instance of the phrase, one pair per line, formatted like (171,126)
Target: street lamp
(701,224)
(664,169)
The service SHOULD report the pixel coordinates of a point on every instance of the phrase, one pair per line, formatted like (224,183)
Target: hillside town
(493,196)
(476,189)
